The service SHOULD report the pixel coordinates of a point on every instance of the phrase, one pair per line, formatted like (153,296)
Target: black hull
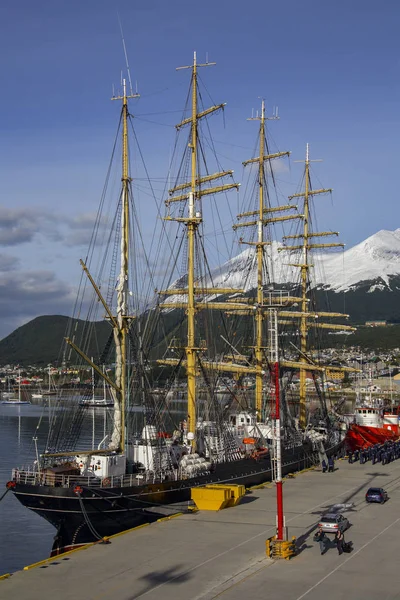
(100,512)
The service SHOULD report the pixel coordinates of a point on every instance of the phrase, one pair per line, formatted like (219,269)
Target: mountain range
(376,261)
(363,281)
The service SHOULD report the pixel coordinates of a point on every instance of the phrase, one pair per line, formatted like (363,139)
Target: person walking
(339,540)
(320,537)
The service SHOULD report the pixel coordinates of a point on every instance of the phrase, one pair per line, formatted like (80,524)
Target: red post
(279,491)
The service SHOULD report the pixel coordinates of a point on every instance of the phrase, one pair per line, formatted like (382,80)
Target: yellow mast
(260,255)
(192,225)
(308,318)
(192,222)
(121,332)
(120,322)
(261,222)
(304,277)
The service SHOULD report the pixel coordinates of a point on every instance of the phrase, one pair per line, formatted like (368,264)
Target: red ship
(370,426)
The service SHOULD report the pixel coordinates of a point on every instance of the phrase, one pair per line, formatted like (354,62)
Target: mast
(260,253)
(304,278)
(308,318)
(121,324)
(193,191)
(192,225)
(262,221)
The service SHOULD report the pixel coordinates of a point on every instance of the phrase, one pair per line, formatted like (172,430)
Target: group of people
(324,542)
(383,453)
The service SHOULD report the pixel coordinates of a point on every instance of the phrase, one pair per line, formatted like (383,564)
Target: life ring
(106,482)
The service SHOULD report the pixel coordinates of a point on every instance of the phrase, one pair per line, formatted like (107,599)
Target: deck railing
(34,477)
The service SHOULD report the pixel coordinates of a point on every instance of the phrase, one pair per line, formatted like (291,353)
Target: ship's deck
(210,555)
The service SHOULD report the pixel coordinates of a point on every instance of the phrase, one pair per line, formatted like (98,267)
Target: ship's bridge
(368,416)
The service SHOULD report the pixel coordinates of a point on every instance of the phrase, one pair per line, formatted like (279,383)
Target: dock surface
(221,555)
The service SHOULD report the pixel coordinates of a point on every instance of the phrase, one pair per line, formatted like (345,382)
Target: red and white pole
(278,457)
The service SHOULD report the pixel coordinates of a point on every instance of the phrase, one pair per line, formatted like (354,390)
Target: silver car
(332,522)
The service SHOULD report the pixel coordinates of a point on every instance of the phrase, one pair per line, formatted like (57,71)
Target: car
(376,495)
(332,522)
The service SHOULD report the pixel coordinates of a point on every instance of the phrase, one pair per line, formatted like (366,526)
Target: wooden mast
(192,222)
(122,317)
(262,221)
(260,255)
(120,322)
(304,279)
(308,318)
(192,225)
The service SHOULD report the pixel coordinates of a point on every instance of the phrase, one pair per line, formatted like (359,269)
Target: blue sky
(332,68)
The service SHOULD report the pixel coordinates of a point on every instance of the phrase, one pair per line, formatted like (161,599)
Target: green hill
(39,342)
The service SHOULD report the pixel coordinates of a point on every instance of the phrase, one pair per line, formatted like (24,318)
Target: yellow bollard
(280,548)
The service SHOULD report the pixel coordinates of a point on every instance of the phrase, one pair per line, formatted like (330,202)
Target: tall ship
(148,460)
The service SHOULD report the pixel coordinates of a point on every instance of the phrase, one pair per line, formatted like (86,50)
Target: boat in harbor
(372,422)
(139,467)
(97,401)
(13,400)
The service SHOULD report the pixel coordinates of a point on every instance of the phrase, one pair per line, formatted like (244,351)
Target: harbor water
(25,537)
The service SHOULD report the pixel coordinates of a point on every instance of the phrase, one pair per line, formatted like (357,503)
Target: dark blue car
(376,495)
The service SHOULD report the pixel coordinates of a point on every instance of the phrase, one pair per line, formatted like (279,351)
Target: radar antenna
(126,57)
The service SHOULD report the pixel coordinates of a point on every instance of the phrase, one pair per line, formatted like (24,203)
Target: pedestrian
(331,465)
(320,537)
(324,466)
(350,457)
(339,540)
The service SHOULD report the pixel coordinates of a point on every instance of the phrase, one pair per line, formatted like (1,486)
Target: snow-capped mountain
(375,260)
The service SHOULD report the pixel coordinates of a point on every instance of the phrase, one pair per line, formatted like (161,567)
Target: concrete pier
(210,555)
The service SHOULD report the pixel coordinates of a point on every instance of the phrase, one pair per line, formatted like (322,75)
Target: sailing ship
(51,391)
(89,493)
(97,401)
(16,401)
